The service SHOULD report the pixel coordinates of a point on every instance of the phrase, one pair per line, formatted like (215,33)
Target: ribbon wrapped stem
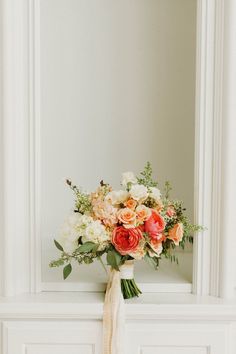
(121,285)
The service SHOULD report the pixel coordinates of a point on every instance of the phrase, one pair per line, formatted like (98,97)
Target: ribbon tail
(113,316)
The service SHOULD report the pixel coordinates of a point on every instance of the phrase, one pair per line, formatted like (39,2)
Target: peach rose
(126,241)
(131,204)
(143,213)
(138,254)
(176,233)
(154,225)
(127,217)
(157,248)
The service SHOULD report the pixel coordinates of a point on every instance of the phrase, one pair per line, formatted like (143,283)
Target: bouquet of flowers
(133,223)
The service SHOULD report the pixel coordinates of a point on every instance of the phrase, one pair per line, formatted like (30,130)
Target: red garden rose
(126,240)
(154,225)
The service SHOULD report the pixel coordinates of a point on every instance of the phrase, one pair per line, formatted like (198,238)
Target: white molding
(34,159)
(1,153)
(15,240)
(20,240)
(228,240)
(100,287)
(164,307)
(21,114)
(216,219)
(208,146)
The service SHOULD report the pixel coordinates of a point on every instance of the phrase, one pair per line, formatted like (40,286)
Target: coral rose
(176,233)
(126,240)
(127,217)
(154,225)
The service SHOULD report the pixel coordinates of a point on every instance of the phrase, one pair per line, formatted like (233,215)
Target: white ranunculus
(155,193)
(96,232)
(117,197)
(139,192)
(128,177)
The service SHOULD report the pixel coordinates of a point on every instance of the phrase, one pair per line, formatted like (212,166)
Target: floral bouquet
(134,223)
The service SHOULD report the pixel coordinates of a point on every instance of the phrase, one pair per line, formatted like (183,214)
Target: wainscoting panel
(174,350)
(177,338)
(80,337)
(59,349)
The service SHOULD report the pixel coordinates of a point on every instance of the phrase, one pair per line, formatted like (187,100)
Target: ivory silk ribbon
(114,311)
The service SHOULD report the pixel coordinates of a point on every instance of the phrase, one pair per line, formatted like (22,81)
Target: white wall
(117,89)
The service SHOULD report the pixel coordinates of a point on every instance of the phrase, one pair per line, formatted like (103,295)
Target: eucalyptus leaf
(114,259)
(95,247)
(67,270)
(150,261)
(87,247)
(58,246)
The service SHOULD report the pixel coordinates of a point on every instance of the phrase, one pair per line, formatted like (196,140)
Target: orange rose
(143,213)
(127,217)
(176,233)
(131,204)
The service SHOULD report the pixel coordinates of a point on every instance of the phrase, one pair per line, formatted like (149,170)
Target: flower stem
(129,288)
(103,265)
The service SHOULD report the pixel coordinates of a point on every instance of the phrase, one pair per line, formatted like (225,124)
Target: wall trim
(164,307)
(210,19)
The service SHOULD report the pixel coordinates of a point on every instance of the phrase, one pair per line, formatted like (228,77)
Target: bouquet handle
(113,316)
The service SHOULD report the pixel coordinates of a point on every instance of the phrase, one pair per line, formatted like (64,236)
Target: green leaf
(57,244)
(87,247)
(114,259)
(151,261)
(67,270)
(95,247)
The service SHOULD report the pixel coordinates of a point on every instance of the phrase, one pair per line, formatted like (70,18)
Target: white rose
(117,197)
(155,193)
(128,177)
(96,232)
(139,192)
